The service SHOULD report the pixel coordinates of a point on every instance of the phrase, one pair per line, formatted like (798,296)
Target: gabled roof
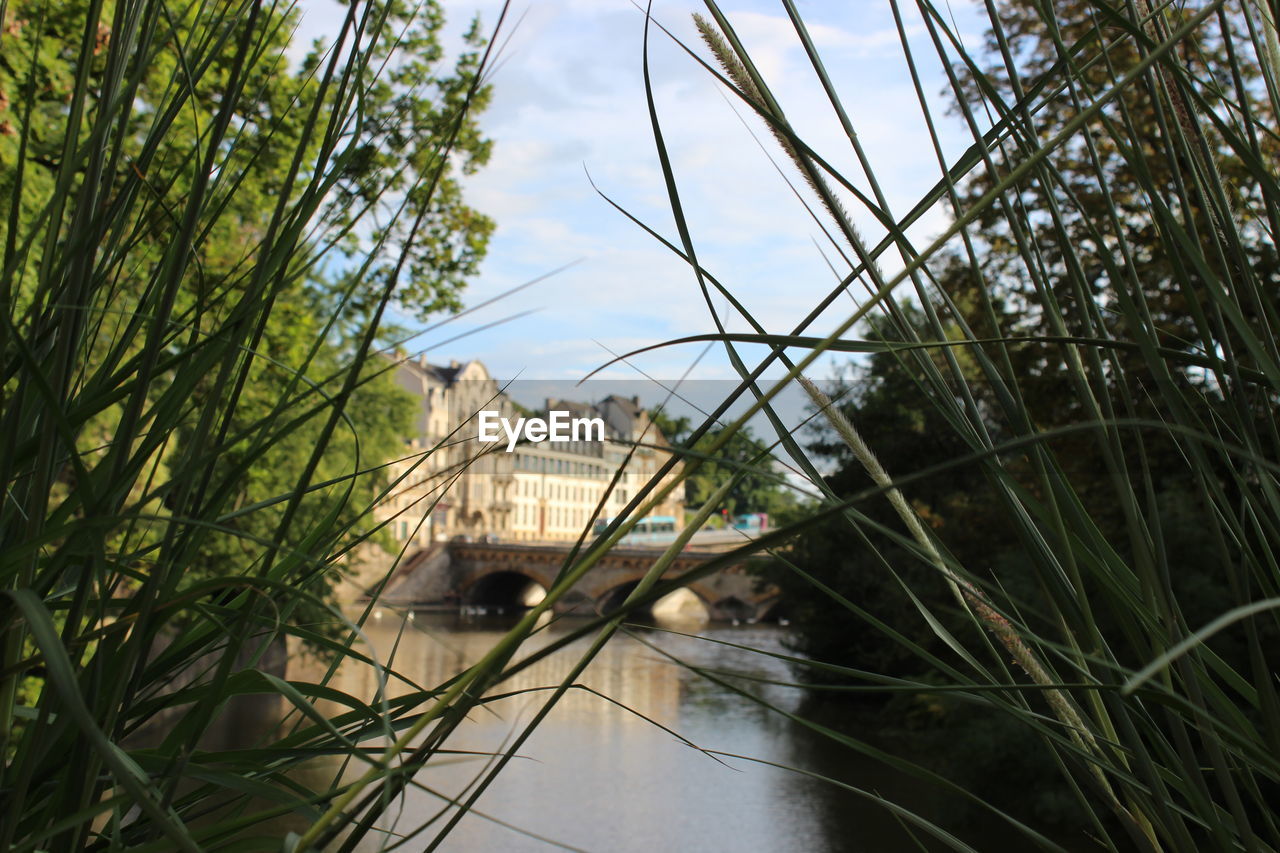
(630,406)
(439,373)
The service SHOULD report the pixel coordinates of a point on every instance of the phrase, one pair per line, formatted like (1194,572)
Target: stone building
(631,427)
(451,484)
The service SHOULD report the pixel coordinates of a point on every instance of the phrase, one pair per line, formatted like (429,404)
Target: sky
(569,109)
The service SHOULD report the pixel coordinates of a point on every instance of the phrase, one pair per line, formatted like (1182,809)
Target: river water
(604,775)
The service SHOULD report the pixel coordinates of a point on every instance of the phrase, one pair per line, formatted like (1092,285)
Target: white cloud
(570,95)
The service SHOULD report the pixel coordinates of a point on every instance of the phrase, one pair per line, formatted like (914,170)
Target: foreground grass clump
(1056,501)
(1086,357)
(190,293)
(201,240)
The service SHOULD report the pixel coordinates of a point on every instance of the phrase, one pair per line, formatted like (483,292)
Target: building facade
(451,484)
(448,483)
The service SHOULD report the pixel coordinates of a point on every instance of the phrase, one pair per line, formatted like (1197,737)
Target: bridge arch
(686,603)
(774,609)
(506,588)
(499,573)
(732,607)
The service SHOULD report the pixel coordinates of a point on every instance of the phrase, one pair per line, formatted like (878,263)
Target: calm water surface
(601,776)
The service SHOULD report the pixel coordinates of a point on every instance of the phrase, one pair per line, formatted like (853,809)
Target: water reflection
(603,776)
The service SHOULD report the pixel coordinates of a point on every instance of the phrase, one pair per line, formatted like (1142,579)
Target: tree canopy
(760,486)
(297,215)
(1122,281)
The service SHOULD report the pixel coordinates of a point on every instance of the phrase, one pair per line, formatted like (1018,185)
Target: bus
(653,528)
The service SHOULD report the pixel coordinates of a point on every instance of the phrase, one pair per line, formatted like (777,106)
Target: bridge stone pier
(499,574)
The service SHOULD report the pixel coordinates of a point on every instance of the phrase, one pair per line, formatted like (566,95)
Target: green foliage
(314,312)
(192,290)
(1056,499)
(1077,420)
(760,488)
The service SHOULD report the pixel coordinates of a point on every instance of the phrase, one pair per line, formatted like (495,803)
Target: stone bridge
(505,574)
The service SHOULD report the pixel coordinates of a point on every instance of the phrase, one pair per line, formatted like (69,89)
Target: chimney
(453,362)
(635,401)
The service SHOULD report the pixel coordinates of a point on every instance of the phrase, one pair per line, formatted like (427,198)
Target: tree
(395,155)
(320,302)
(1152,226)
(1080,232)
(199,243)
(759,489)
